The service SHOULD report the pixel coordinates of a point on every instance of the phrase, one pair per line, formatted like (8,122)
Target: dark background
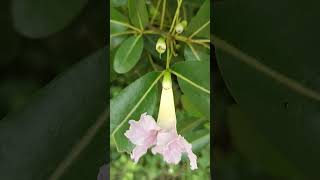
(28,64)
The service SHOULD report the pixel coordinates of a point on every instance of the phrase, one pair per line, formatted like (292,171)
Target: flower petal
(143,131)
(137,152)
(171,145)
(148,123)
(188,149)
(143,134)
(165,136)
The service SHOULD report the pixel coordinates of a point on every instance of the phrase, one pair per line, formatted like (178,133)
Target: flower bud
(161,45)
(180,26)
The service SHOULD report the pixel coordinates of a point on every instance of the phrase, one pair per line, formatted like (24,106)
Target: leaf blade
(199,23)
(138,13)
(128,54)
(198,72)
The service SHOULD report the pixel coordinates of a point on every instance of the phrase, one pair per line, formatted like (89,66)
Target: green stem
(163,12)
(175,16)
(122,33)
(188,40)
(154,32)
(201,40)
(194,51)
(125,24)
(155,14)
(168,54)
(151,62)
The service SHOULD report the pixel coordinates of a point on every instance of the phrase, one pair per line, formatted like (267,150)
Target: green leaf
(200,24)
(194,81)
(117,16)
(138,13)
(273,74)
(128,54)
(199,140)
(139,97)
(37,19)
(189,107)
(196,53)
(36,140)
(117,3)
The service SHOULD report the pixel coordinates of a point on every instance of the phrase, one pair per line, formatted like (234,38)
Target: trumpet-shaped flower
(169,143)
(161,136)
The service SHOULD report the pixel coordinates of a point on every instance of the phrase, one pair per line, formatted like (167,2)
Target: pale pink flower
(170,144)
(142,134)
(163,135)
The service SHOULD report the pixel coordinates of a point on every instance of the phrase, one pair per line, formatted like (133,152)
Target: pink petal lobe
(142,134)
(192,157)
(137,152)
(171,146)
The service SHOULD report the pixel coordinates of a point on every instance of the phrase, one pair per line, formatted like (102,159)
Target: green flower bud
(180,26)
(161,45)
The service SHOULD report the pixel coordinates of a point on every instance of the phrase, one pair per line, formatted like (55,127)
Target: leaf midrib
(130,50)
(191,82)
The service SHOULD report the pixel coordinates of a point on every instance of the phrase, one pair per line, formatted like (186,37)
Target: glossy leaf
(138,13)
(139,97)
(194,81)
(36,18)
(273,74)
(36,140)
(196,53)
(117,16)
(128,54)
(201,22)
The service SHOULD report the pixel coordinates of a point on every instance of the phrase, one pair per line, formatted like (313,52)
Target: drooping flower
(142,134)
(161,136)
(169,143)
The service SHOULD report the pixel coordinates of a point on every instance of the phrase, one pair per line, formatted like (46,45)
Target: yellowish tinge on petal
(167,114)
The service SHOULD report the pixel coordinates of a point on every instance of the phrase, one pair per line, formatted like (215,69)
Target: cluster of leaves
(136,67)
